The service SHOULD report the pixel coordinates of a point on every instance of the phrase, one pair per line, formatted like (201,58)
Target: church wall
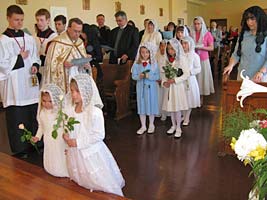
(107,7)
(231,9)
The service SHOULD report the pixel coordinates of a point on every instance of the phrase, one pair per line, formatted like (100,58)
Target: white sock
(151,120)
(173,118)
(178,119)
(143,120)
(187,115)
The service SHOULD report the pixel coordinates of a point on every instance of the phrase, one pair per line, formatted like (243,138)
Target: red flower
(144,64)
(171,59)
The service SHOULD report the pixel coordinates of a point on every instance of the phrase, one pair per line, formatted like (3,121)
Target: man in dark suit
(103,29)
(124,39)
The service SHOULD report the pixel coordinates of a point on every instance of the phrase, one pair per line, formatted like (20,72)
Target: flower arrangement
(249,137)
(27,136)
(63,120)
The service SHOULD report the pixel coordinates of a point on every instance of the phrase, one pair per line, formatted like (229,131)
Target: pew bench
(116,82)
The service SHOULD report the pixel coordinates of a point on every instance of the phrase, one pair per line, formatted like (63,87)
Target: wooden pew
(117,86)
(229,102)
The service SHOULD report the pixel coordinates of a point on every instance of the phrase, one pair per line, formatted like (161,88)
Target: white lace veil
(55,94)
(203,31)
(162,42)
(152,51)
(155,27)
(88,91)
(191,45)
(176,45)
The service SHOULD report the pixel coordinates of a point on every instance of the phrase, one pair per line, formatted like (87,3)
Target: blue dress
(146,89)
(250,60)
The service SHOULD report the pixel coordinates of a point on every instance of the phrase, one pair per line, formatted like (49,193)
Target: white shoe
(186,123)
(151,129)
(171,130)
(141,131)
(178,133)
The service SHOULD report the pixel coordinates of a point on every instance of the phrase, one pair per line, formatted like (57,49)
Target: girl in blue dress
(146,72)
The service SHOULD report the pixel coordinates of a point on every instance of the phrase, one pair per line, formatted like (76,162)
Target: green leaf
(22,138)
(54,134)
(28,137)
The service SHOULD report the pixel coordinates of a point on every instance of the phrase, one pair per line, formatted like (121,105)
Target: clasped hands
(168,83)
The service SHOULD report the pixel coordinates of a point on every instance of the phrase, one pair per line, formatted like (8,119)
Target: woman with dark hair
(152,34)
(251,48)
(90,35)
(131,23)
(181,31)
(171,27)
(204,44)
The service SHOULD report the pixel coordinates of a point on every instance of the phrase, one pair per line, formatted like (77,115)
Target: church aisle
(159,167)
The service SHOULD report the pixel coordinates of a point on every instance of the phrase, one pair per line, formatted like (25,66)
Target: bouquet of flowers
(27,136)
(171,72)
(63,120)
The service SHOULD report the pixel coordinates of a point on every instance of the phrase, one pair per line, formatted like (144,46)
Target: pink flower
(263,124)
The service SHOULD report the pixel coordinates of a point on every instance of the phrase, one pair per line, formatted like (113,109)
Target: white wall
(107,7)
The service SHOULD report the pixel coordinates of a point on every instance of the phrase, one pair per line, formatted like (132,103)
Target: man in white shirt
(19,63)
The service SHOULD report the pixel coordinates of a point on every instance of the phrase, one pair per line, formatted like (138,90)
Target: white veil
(203,31)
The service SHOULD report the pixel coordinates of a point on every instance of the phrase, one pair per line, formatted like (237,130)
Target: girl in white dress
(54,156)
(89,161)
(161,60)
(189,59)
(175,98)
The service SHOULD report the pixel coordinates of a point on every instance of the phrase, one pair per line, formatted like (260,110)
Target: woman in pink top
(204,43)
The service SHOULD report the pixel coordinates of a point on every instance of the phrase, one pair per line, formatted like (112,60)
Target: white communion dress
(91,164)
(54,149)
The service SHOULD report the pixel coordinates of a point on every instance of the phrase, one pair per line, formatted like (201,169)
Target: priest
(19,64)
(59,68)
